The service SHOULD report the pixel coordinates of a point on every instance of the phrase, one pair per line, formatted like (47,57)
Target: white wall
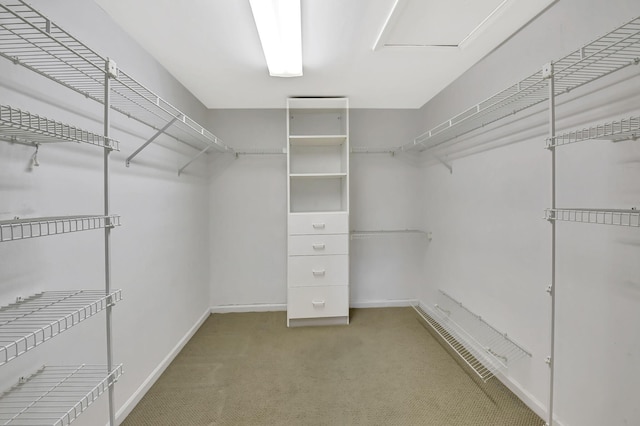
(491,248)
(160,251)
(248,210)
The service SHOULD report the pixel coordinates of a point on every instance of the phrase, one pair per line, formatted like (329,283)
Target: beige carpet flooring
(384,368)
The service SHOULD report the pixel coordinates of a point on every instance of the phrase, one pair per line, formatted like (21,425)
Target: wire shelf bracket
(151,139)
(614,131)
(55,395)
(23,127)
(20,229)
(480,346)
(617,217)
(32,321)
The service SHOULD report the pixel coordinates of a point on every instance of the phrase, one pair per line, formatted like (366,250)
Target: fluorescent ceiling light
(279,27)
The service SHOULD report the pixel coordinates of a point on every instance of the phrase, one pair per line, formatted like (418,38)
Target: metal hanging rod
(618,217)
(32,321)
(364,150)
(261,151)
(55,395)
(389,232)
(31,40)
(34,129)
(20,229)
(616,131)
(616,50)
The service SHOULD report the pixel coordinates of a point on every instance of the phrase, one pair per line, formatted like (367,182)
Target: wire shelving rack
(478,344)
(32,321)
(24,127)
(20,229)
(55,395)
(619,217)
(615,131)
(612,52)
(30,39)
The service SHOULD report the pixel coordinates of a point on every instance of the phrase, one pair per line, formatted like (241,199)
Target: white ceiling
(212,47)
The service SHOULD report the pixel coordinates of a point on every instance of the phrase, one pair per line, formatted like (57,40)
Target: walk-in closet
(299,212)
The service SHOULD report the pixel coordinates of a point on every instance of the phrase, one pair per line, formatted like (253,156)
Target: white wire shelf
(32,321)
(34,129)
(480,346)
(20,229)
(618,217)
(30,39)
(357,235)
(612,52)
(616,131)
(55,395)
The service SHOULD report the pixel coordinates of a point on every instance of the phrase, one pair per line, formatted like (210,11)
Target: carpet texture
(384,368)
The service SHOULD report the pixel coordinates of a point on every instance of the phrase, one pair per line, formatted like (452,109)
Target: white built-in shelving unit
(610,53)
(318,211)
(57,395)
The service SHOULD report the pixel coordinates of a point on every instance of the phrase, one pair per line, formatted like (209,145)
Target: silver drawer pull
(318,303)
(318,225)
(318,246)
(318,272)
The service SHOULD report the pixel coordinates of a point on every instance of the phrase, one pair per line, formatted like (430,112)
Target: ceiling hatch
(437,23)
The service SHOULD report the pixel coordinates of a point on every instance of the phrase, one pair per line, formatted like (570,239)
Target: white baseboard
(277,307)
(399,303)
(131,403)
(258,307)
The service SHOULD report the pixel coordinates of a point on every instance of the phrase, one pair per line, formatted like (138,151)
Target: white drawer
(310,245)
(315,302)
(318,223)
(318,270)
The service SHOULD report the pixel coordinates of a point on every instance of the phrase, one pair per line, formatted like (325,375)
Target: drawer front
(318,223)
(310,245)
(318,270)
(317,302)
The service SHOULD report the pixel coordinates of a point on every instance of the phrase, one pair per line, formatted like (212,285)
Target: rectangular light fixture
(280,31)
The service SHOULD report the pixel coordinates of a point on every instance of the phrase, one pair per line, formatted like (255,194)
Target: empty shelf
(36,319)
(483,348)
(629,218)
(30,39)
(26,127)
(625,129)
(20,229)
(609,53)
(321,140)
(55,395)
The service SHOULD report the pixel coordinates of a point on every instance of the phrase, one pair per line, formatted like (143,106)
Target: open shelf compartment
(36,319)
(55,395)
(20,229)
(25,127)
(479,345)
(609,53)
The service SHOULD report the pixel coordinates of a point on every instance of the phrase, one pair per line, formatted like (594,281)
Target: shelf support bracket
(144,145)
(194,159)
(444,163)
